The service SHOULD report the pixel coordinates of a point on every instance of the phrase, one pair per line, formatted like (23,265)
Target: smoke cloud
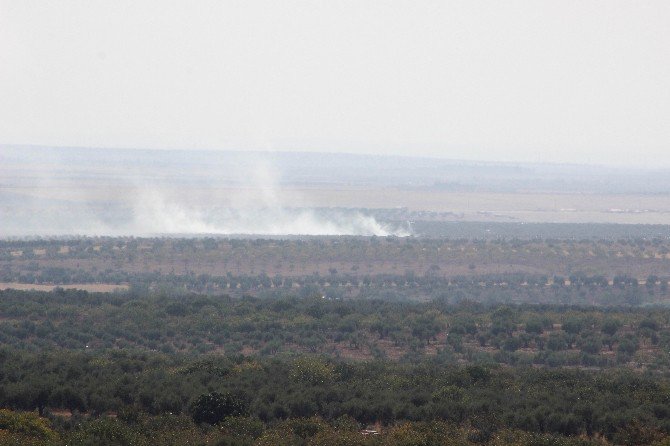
(260,210)
(157,216)
(79,197)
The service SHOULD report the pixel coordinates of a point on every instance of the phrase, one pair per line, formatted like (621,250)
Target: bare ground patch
(90,287)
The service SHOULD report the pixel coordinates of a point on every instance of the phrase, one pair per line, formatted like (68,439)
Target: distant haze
(535,81)
(86,191)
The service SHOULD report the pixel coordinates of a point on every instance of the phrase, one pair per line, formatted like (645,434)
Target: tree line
(313,399)
(549,335)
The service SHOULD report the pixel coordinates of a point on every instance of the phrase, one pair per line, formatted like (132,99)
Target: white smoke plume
(260,210)
(64,194)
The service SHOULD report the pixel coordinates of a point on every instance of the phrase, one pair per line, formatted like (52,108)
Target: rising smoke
(66,197)
(260,210)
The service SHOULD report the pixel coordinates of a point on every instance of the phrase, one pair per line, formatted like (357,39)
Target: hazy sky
(582,81)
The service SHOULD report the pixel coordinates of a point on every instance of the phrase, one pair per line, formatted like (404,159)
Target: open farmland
(92,192)
(90,287)
(356,300)
(88,260)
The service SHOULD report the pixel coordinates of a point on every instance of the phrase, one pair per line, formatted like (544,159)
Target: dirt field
(90,287)
(535,207)
(89,257)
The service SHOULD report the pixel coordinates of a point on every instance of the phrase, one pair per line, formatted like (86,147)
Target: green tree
(214,407)
(610,326)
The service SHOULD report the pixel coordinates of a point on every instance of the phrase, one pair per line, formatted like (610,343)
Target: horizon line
(472,161)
